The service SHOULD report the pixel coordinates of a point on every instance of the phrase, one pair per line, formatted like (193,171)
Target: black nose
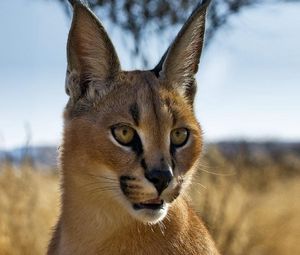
(159,178)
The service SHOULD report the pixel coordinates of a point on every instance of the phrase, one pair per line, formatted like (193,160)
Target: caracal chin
(130,147)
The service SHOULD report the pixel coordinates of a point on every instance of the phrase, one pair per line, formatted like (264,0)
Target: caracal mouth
(152,204)
(142,200)
(149,212)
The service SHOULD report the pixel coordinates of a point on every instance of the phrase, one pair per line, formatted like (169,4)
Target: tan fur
(97,217)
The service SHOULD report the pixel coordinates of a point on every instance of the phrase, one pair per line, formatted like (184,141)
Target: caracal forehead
(138,97)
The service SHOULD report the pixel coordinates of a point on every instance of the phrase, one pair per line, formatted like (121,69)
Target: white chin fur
(146,216)
(149,216)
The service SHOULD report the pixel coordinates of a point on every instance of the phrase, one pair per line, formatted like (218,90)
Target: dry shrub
(28,207)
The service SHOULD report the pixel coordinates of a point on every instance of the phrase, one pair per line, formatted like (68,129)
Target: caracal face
(141,140)
(131,137)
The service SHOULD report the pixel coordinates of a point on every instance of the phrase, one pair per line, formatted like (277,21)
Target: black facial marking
(136,145)
(154,100)
(124,185)
(173,164)
(135,113)
(171,111)
(172,149)
(125,178)
(144,165)
(174,116)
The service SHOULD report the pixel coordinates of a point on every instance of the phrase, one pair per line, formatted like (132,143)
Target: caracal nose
(159,178)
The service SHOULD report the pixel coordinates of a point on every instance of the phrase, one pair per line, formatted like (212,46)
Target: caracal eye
(123,134)
(179,136)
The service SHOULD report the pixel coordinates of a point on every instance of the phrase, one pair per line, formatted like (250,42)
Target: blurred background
(247,189)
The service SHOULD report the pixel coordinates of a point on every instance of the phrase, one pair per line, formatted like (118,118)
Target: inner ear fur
(91,55)
(178,66)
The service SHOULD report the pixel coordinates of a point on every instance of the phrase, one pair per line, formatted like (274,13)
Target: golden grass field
(250,207)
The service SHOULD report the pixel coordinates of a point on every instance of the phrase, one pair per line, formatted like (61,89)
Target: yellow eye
(179,136)
(123,134)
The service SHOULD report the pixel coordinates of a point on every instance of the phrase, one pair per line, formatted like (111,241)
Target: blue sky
(249,77)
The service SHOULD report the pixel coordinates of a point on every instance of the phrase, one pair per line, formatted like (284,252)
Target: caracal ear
(178,66)
(92,59)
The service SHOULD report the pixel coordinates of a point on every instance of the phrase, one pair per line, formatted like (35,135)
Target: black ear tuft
(73,2)
(156,70)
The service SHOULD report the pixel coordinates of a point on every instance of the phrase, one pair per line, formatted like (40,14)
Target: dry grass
(28,209)
(249,207)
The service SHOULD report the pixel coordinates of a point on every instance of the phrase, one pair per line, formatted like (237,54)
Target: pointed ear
(179,64)
(92,58)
